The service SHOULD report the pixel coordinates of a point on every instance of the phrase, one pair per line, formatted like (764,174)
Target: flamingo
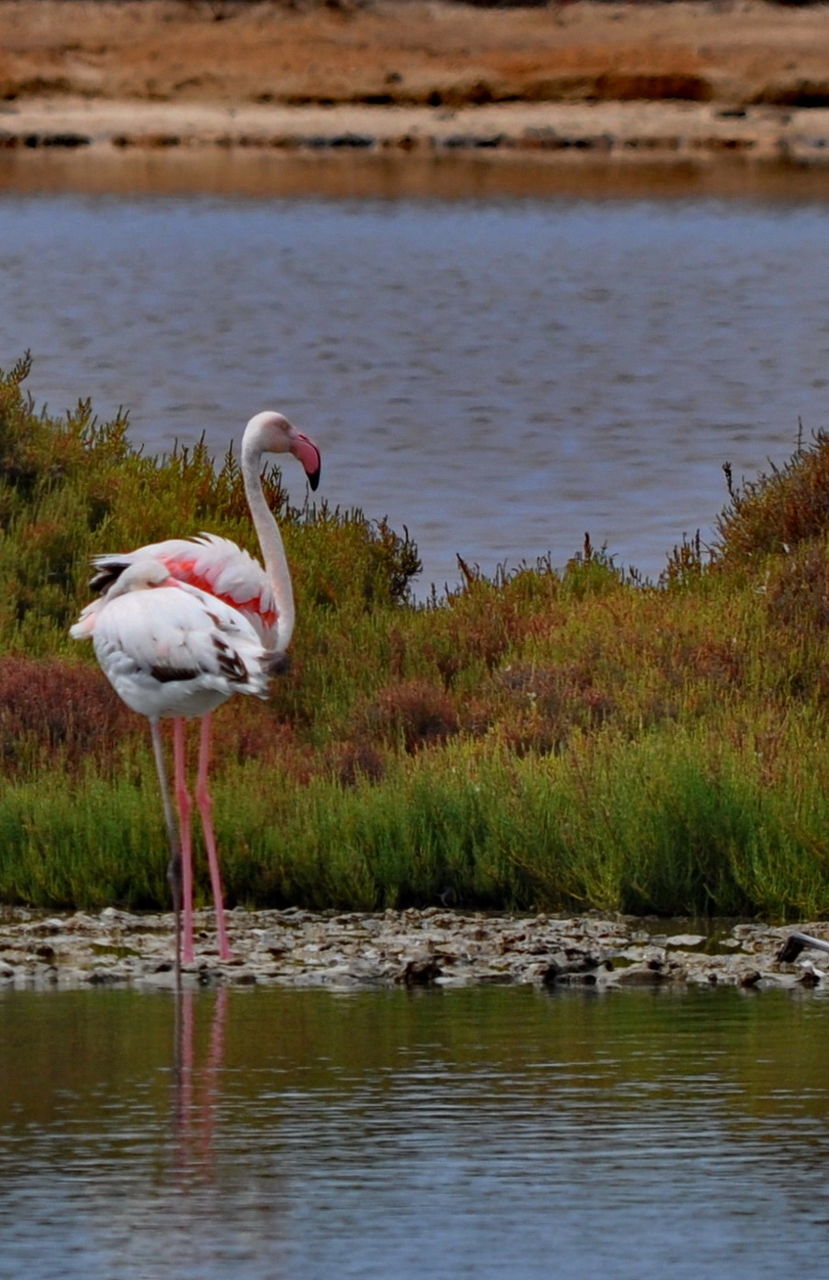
(219,566)
(169,649)
(264,599)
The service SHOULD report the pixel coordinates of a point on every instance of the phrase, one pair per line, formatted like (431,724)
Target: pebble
(430,948)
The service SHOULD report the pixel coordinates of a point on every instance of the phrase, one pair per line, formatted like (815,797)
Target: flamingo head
(272,433)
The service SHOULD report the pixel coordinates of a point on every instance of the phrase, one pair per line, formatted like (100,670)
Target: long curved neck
(270,541)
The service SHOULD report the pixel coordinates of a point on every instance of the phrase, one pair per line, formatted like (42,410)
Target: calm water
(473,1133)
(498,374)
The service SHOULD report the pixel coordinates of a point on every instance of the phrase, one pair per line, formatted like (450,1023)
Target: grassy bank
(556,739)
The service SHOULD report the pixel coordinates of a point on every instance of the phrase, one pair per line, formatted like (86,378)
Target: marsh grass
(659,825)
(565,739)
(82,842)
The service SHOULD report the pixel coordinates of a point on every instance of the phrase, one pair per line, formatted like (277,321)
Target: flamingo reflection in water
(196,1087)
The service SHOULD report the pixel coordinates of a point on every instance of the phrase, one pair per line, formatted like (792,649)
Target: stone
(434,947)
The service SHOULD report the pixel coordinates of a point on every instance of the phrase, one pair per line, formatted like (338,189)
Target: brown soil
(690,81)
(413,53)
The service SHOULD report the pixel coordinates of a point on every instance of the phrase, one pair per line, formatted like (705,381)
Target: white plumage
(172,650)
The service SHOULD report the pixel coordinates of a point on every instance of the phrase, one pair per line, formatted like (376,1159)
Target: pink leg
(174,866)
(185,806)
(205,803)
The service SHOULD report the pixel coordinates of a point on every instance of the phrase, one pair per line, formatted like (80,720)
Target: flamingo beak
(309,455)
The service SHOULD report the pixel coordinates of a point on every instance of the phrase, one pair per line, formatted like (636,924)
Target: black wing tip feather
(107,575)
(230,664)
(169,675)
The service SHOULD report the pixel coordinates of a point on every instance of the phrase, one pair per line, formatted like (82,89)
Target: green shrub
(559,739)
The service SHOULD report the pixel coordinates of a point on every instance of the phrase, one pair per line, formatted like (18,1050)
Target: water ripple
(584,366)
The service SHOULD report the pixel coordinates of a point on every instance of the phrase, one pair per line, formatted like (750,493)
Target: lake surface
(498,373)
(270,1134)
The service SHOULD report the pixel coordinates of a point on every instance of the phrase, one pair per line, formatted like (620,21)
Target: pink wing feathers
(212,564)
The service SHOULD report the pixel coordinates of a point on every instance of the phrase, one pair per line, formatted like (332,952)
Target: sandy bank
(627,81)
(625,132)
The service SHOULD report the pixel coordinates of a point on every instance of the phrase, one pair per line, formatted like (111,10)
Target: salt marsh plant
(566,738)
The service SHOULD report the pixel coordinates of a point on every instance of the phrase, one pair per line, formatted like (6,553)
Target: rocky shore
(433,947)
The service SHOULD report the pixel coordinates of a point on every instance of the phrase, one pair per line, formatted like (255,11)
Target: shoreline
(620,87)
(607,150)
(435,947)
(622,132)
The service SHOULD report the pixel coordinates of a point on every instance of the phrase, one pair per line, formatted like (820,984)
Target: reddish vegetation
(51,708)
(414,712)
